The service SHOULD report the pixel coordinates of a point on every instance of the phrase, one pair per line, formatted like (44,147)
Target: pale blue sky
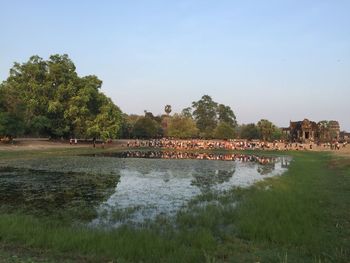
(280,60)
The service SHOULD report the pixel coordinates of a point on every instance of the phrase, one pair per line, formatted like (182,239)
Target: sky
(277,60)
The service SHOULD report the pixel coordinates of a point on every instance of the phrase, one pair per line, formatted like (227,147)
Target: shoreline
(42,144)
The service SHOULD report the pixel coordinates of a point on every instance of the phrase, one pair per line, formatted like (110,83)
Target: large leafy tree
(226,115)
(55,101)
(10,125)
(146,128)
(107,122)
(187,112)
(277,134)
(127,125)
(224,131)
(249,131)
(268,130)
(205,115)
(208,114)
(11,113)
(182,127)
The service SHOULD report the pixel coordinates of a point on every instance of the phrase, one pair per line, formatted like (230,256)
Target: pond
(127,187)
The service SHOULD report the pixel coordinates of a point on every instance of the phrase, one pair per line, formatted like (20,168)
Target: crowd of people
(334,145)
(198,144)
(5,139)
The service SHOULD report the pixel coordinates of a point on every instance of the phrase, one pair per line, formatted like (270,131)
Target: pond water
(127,187)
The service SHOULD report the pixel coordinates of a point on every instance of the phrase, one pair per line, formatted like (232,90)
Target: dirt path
(37,145)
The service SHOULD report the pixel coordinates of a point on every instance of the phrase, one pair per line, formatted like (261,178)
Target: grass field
(303,216)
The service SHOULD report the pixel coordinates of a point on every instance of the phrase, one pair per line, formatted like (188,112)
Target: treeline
(196,122)
(205,119)
(48,98)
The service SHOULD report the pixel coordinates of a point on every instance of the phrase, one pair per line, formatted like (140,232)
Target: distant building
(303,130)
(310,131)
(344,136)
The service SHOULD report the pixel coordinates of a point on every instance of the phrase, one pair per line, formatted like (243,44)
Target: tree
(224,131)
(146,128)
(127,125)
(167,109)
(277,134)
(52,100)
(107,122)
(182,127)
(226,115)
(267,130)
(205,114)
(187,112)
(148,114)
(10,125)
(11,113)
(249,132)
(40,125)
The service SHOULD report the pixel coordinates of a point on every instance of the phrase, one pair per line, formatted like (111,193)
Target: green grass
(303,216)
(124,244)
(306,211)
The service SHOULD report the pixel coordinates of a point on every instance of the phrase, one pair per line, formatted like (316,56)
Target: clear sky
(281,60)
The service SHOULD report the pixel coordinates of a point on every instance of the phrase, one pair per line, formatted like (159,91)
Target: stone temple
(310,131)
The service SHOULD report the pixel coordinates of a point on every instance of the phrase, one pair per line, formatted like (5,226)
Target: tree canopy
(208,113)
(48,98)
(226,115)
(183,127)
(249,131)
(146,128)
(224,131)
(205,115)
(268,130)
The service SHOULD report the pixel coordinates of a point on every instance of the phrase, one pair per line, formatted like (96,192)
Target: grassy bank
(303,216)
(305,213)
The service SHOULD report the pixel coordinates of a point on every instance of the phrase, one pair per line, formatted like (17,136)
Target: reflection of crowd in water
(195,155)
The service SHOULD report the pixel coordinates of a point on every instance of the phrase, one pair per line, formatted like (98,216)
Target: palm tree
(167,109)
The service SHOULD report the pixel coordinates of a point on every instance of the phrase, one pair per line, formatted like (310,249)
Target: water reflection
(266,168)
(134,187)
(189,155)
(205,179)
(160,183)
(285,162)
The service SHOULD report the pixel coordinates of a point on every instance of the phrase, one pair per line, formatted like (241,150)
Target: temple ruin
(310,131)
